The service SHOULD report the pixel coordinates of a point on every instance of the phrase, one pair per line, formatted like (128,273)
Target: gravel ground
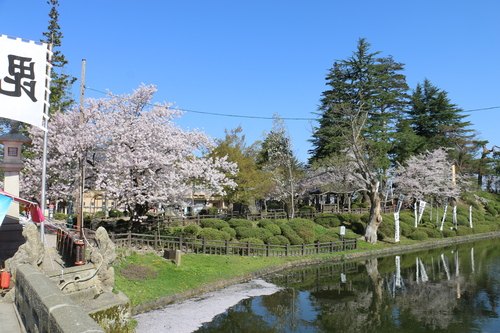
(188,315)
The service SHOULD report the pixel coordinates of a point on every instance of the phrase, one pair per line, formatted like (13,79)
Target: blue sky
(257,58)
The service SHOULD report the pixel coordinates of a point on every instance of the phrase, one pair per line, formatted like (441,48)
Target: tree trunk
(375,215)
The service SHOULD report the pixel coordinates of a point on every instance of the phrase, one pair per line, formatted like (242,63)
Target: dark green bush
(191,231)
(432,232)
(274,206)
(278,240)
(234,223)
(358,227)
(386,229)
(481,229)
(115,213)
(349,218)
(214,223)
(214,234)
(418,235)
(447,232)
(230,231)
(304,229)
(100,214)
(292,236)
(209,211)
(60,216)
(463,231)
(280,222)
(307,208)
(328,220)
(260,233)
(490,208)
(262,223)
(406,229)
(252,240)
(274,229)
(327,238)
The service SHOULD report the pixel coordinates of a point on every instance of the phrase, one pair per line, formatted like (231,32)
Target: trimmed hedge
(278,240)
(214,223)
(214,234)
(235,223)
(418,235)
(292,236)
(328,220)
(273,228)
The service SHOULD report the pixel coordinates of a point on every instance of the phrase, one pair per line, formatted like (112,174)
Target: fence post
(331,246)
(343,244)
(318,247)
(268,249)
(286,250)
(303,249)
(129,237)
(156,242)
(204,245)
(248,249)
(180,242)
(356,243)
(227,247)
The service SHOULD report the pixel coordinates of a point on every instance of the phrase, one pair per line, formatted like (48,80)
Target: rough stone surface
(103,257)
(31,252)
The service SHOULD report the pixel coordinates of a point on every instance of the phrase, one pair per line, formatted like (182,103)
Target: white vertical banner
(396,223)
(24,80)
(421,208)
(444,215)
(470,216)
(455,216)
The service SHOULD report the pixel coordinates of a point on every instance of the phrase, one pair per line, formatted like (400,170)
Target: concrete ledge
(310,261)
(45,308)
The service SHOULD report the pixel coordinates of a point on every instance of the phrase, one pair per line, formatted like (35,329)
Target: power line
(257,117)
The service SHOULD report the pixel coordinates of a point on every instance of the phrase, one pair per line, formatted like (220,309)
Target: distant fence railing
(203,246)
(70,244)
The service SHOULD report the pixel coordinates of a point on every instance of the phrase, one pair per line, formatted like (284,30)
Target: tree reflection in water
(452,289)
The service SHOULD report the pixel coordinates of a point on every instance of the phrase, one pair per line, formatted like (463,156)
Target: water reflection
(452,289)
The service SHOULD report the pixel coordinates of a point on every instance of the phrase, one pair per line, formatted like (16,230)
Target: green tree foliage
(363,81)
(366,95)
(60,96)
(251,182)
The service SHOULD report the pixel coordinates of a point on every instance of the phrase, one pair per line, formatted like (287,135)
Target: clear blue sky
(257,58)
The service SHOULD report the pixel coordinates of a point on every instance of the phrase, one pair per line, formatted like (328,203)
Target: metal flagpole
(82,158)
(43,204)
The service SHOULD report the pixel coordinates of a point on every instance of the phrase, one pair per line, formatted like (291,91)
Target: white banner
(421,208)
(24,80)
(396,222)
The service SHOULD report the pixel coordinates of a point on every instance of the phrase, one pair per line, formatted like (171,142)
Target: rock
(103,257)
(31,252)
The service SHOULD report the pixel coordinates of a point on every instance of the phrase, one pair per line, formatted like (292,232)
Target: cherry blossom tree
(428,175)
(133,151)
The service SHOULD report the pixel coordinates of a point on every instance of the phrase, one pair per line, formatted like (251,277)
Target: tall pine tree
(60,96)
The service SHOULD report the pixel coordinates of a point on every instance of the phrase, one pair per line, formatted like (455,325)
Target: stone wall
(43,307)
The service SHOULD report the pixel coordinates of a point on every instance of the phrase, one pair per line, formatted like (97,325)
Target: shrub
(481,229)
(406,229)
(213,234)
(100,214)
(418,235)
(60,216)
(328,220)
(260,233)
(463,231)
(304,229)
(292,236)
(307,208)
(230,231)
(252,240)
(209,211)
(191,231)
(214,223)
(240,223)
(432,232)
(490,208)
(274,206)
(262,223)
(115,213)
(387,229)
(278,240)
(280,222)
(449,232)
(327,238)
(349,218)
(274,229)
(358,227)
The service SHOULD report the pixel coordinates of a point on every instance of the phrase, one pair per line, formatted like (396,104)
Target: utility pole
(79,220)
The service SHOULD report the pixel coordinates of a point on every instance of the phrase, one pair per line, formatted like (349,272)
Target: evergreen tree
(436,119)
(364,81)
(367,94)
(60,96)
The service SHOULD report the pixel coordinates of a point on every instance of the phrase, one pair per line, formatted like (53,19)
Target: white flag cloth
(24,80)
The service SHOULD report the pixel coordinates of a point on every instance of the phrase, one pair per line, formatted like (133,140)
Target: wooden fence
(204,246)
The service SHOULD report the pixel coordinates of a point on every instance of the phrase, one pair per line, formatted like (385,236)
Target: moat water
(450,289)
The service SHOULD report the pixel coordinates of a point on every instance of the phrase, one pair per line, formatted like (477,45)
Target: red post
(4,280)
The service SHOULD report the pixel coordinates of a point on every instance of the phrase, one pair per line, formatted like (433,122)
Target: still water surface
(451,289)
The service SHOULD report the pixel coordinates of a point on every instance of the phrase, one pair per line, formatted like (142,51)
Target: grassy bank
(148,277)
